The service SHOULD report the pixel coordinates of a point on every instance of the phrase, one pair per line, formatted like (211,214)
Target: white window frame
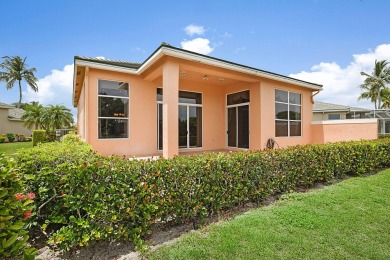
(227,118)
(288,120)
(188,121)
(333,115)
(121,118)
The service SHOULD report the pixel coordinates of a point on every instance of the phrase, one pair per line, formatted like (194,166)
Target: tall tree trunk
(20,95)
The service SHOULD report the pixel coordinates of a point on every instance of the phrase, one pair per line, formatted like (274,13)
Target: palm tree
(16,70)
(32,116)
(376,82)
(56,117)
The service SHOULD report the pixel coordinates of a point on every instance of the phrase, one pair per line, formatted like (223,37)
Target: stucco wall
(344,130)
(267,114)
(142,125)
(81,123)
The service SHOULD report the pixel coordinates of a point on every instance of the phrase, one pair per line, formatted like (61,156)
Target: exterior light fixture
(183,73)
(221,79)
(205,77)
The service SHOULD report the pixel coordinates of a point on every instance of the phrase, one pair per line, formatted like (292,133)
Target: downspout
(312,96)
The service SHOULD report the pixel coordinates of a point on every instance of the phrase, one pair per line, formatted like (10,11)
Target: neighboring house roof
(167,50)
(15,114)
(4,105)
(329,107)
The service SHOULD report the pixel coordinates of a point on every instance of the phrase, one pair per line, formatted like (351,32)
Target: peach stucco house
(179,101)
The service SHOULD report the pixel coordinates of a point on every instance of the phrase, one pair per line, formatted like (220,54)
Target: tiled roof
(323,107)
(15,114)
(132,65)
(136,65)
(4,105)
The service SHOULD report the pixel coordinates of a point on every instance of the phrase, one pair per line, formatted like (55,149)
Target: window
(287,114)
(113,109)
(334,117)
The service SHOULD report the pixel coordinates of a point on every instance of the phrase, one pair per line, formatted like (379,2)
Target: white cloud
(227,35)
(194,29)
(55,88)
(240,49)
(100,58)
(200,45)
(340,85)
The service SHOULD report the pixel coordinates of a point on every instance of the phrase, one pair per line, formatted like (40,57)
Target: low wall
(344,130)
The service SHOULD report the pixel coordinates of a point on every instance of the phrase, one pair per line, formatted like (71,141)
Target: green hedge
(16,206)
(100,198)
(38,136)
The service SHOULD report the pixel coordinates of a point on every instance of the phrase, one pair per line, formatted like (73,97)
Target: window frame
(288,120)
(334,114)
(122,118)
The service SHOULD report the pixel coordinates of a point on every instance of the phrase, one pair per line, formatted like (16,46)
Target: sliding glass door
(190,120)
(238,120)
(190,126)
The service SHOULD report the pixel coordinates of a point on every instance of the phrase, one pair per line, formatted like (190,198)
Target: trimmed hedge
(38,136)
(16,206)
(102,198)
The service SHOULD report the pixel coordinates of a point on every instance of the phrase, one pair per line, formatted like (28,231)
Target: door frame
(227,118)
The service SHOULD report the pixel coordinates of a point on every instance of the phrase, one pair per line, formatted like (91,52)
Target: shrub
(11,137)
(96,198)
(28,139)
(50,136)
(383,136)
(38,136)
(2,139)
(71,138)
(15,208)
(20,137)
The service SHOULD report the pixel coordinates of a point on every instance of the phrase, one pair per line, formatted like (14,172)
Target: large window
(288,119)
(334,116)
(113,109)
(190,119)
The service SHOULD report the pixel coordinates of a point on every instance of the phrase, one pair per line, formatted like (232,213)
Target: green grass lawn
(11,148)
(349,220)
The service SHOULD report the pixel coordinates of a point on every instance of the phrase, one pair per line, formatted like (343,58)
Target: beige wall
(12,126)
(345,130)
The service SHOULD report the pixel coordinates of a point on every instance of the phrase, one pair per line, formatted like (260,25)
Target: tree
(17,70)
(56,117)
(32,116)
(375,84)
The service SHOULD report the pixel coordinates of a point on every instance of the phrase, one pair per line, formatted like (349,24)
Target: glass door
(232,126)
(183,127)
(238,120)
(243,126)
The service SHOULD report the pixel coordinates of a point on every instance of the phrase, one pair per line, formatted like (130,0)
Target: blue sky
(323,41)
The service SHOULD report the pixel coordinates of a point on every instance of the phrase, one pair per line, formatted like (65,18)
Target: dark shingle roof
(322,106)
(136,65)
(126,64)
